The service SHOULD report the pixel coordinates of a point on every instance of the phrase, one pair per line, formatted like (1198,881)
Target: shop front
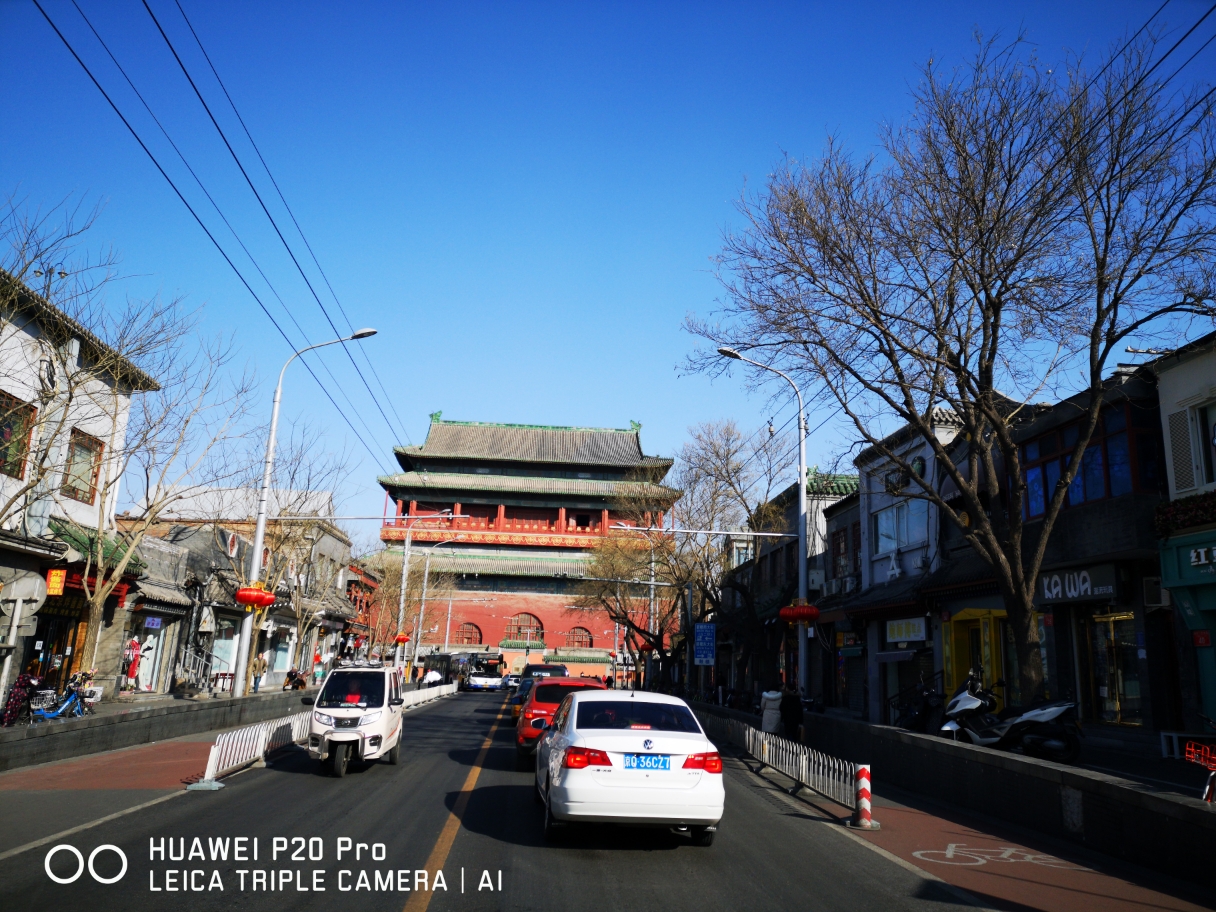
(1097,634)
(976,634)
(53,652)
(152,641)
(1188,571)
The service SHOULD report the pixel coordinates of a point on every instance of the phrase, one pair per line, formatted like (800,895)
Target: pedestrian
(432,677)
(770,710)
(259,669)
(791,712)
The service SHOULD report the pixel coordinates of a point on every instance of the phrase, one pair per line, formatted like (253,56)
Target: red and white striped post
(861,817)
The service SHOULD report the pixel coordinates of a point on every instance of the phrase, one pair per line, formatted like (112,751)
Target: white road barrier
(241,747)
(828,776)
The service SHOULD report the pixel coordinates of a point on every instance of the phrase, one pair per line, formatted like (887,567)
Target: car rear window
(352,688)
(555,693)
(636,714)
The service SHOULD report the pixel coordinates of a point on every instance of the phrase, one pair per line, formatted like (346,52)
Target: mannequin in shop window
(131,656)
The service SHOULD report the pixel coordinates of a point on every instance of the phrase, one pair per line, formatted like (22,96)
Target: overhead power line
(274,224)
(294,221)
(220,212)
(211,237)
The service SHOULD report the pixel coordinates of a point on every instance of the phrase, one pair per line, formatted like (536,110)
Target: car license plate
(647,762)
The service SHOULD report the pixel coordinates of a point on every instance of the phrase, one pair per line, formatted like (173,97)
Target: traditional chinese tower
(536,501)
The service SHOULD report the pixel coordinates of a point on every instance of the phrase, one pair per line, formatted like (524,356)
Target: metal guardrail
(239,748)
(828,776)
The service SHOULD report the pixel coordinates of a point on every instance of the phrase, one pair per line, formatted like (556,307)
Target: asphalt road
(771,853)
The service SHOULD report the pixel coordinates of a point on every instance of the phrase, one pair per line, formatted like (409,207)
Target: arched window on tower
(468,634)
(527,628)
(579,638)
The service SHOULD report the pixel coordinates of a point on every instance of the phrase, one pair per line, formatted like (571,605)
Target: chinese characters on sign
(55,579)
(905,630)
(705,644)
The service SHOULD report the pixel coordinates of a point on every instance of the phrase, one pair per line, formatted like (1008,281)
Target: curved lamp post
(259,535)
(803,670)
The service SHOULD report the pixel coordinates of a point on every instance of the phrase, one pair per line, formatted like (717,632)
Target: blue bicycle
(46,705)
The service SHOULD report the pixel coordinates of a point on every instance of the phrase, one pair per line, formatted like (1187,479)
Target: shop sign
(151,623)
(1204,559)
(850,652)
(1097,582)
(1201,637)
(905,630)
(55,579)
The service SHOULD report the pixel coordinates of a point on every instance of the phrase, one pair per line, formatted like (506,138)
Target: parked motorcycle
(923,711)
(1049,732)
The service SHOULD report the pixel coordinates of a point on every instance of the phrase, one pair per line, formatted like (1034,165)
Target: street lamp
(259,535)
(803,670)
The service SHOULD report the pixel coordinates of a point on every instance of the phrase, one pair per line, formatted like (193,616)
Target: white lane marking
(86,826)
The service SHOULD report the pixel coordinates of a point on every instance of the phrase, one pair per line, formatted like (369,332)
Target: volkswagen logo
(648,744)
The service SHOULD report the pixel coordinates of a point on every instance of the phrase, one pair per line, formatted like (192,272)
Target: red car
(542,702)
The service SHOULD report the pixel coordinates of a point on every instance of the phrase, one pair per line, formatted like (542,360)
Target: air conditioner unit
(850,583)
(832,587)
(1154,595)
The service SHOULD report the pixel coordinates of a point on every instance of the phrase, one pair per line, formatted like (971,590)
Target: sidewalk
(1004,867)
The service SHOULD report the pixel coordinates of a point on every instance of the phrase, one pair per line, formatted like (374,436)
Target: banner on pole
(705,644)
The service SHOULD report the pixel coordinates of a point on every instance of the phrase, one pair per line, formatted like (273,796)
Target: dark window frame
(12,407)
(77,438)
(1034,463)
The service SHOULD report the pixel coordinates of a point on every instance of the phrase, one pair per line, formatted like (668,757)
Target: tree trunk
(1020,610)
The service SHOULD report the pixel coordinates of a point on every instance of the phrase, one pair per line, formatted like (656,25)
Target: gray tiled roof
(459,481)
(534,443)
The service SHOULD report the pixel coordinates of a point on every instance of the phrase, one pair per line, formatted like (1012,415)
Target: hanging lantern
(787,613)
(612,655)
(402,639)
(808,614)
(646,647)
(254,597)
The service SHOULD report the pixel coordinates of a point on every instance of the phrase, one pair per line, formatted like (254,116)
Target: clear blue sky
(523,198)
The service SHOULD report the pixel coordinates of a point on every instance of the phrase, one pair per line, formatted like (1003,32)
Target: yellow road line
(420,900)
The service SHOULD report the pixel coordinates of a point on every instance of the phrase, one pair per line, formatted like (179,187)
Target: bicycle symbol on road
(957,853)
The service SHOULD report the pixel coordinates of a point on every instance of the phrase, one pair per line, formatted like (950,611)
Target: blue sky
(522,197)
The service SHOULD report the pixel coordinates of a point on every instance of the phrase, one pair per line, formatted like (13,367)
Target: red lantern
(402,639)
(788,613)
(612,655)
(646,647)
(808,613)
(254,596)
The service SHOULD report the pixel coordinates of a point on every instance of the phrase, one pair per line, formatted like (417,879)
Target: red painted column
(604,522)
(561,519)
(413,508)
(501,522)
(456,523)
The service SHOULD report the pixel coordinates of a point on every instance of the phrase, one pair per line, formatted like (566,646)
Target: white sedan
(629,757)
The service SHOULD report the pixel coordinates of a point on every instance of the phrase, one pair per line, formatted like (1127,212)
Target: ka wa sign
(1077,585)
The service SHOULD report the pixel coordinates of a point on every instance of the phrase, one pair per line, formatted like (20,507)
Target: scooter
(46,706)
(1046,732)
(923,711)
(294,680)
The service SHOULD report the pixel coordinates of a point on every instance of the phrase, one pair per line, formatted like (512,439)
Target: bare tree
(1024,224)
(725,480)
(439,586)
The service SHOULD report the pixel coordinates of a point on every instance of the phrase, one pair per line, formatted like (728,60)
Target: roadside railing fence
(842,782)
(250,744)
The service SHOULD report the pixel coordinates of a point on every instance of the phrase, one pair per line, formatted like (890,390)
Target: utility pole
(447,630)
(405,575)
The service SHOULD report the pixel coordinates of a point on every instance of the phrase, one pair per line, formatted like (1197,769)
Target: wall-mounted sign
(1082,584)
(152,623)
(1201,637)
(55,579)
(905,630)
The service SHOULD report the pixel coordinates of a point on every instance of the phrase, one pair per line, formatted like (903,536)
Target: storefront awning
(163,593)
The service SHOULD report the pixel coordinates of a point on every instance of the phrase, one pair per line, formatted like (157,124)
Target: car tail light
(583,757)
(711,762)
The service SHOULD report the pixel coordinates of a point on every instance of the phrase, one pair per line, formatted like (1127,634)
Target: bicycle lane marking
(995,868)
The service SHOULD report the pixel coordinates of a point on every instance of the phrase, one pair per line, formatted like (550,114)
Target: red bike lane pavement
(1018,872)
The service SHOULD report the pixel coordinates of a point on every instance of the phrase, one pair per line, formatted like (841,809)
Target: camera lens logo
(81,864)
